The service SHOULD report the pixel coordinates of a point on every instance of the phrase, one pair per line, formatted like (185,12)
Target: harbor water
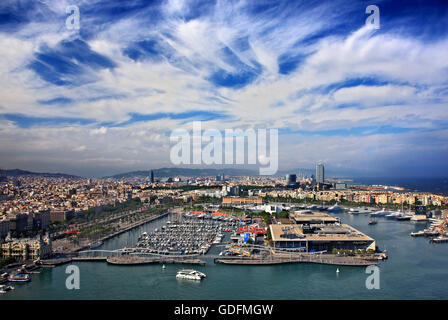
(416,269)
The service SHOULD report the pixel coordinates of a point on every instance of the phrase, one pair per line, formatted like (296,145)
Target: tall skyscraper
(152,176)
(291,179)
(320,177)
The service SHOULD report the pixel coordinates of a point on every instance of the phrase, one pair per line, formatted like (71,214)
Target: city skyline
(103,99)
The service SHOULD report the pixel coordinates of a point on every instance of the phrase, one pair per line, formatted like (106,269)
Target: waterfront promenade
(330,259)
(65,246)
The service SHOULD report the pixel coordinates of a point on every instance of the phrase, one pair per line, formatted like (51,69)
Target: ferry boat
(20,278)
(190,275)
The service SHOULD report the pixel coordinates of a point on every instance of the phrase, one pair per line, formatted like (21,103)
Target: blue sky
(101,99)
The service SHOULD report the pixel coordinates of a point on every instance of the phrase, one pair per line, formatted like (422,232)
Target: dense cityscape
(43,217)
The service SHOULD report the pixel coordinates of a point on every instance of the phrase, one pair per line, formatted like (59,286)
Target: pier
(304,258)
(133,260)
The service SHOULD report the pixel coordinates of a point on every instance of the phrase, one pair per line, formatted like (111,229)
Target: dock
(89,259)
(319,259)
(133,260)
(49,263)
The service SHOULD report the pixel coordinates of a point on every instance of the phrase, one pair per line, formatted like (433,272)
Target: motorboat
(394,215)
(96,245)
(373,222)
(190,274)
(19,278)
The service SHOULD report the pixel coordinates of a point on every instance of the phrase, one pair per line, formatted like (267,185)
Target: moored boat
(4,288)
(96,245)
(19,278)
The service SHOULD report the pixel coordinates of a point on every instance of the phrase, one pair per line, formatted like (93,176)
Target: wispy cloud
(139,69)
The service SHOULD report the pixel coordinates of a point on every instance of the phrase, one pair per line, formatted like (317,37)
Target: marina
(189,234)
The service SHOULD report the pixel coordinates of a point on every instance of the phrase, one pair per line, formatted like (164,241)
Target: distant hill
(305,171)
(18,173)
(172,172)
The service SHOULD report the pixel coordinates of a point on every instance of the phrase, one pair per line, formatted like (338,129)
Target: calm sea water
(434,185)
(415,269)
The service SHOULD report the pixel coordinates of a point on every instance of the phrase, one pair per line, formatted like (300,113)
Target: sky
(104,98)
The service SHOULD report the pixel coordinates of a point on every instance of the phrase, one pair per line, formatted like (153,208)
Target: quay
(133,260)
(130,227)
(121,260)
(319,259)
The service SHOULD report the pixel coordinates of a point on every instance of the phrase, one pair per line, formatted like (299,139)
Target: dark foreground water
(416,269)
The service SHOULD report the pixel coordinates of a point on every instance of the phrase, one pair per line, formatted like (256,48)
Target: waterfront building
(28,248)
(18,222)
(41,219)
(311,217)
(61,215)
(320,178)
(320,237)
(228,201)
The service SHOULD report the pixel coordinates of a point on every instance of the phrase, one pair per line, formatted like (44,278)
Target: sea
(416,269)
(425,184)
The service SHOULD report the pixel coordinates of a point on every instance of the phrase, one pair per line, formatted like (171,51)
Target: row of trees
(348,251)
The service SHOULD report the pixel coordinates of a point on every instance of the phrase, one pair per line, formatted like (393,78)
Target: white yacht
(190,274)
(380,213)
(394,215)
(335,208)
